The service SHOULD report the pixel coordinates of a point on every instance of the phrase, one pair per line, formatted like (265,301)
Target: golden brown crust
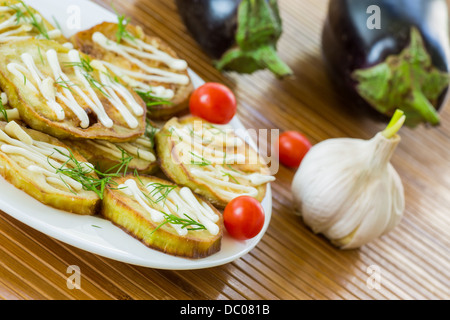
(83,41)
(35,111)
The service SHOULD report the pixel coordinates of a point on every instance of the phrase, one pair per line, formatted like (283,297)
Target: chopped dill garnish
(40,55)
(85,66)
(58,26)
(188,222)
(65,84)
(162,189)
(203,162)
(38,25)
(84,174)
(229,175)
(150,132)
(152,100)
(122,32)
(3,111)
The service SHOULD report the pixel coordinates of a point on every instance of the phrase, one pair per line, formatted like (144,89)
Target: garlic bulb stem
(397,121)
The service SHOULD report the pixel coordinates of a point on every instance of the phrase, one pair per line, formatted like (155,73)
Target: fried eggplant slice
(19,21)
(34,162)
(64,93)
(214,162)
(164,216)
(145,62)
(106,156)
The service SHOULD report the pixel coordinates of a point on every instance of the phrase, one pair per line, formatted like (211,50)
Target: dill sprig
(201,161)
(152,100)
(150,132)
(229,175)
(84,174)
(3,111)
(65,84)
(85,65)
(162,189)
(187,222)
(38,25)
(122,32)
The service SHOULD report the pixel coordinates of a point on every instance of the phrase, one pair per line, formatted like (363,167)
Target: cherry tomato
(213,102)
(293,147)
(243,217)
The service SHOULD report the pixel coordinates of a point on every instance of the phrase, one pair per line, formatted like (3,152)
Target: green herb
(226,174)
(203,162)
(56,23)
(3,111)
(40,55)
(152,100)
(39,25)
(122,32)
(150,132)
(78,171)
(122,166)
(162,189)
(64,84)
(85,65)
(19,13)
(188,222)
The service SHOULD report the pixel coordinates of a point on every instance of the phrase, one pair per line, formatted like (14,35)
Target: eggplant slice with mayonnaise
(146,63)
(19,21)
(66,94)
(35,163)
(164,216)
(214,162)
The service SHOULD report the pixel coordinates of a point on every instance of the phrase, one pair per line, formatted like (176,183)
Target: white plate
(92,233)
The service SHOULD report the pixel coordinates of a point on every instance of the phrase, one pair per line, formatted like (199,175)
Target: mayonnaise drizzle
(67,91)
(134,52)
(202,148)
(139,149)
(178,202)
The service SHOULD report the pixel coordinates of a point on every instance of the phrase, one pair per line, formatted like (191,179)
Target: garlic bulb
(347,190)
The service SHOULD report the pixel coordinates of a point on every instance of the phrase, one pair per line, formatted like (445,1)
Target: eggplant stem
(270,58)
(397,121)
(421,104)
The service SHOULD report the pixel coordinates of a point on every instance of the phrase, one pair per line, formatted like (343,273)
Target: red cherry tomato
(293,147)
(213,102)
(243,217)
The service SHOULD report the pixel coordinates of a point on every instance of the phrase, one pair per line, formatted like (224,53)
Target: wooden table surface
(290,262)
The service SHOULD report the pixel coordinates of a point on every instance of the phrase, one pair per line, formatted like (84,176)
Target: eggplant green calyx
(408,80)
(259,28)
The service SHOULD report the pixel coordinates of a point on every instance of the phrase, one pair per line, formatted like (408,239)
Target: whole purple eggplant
(390,54)
(240,35)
